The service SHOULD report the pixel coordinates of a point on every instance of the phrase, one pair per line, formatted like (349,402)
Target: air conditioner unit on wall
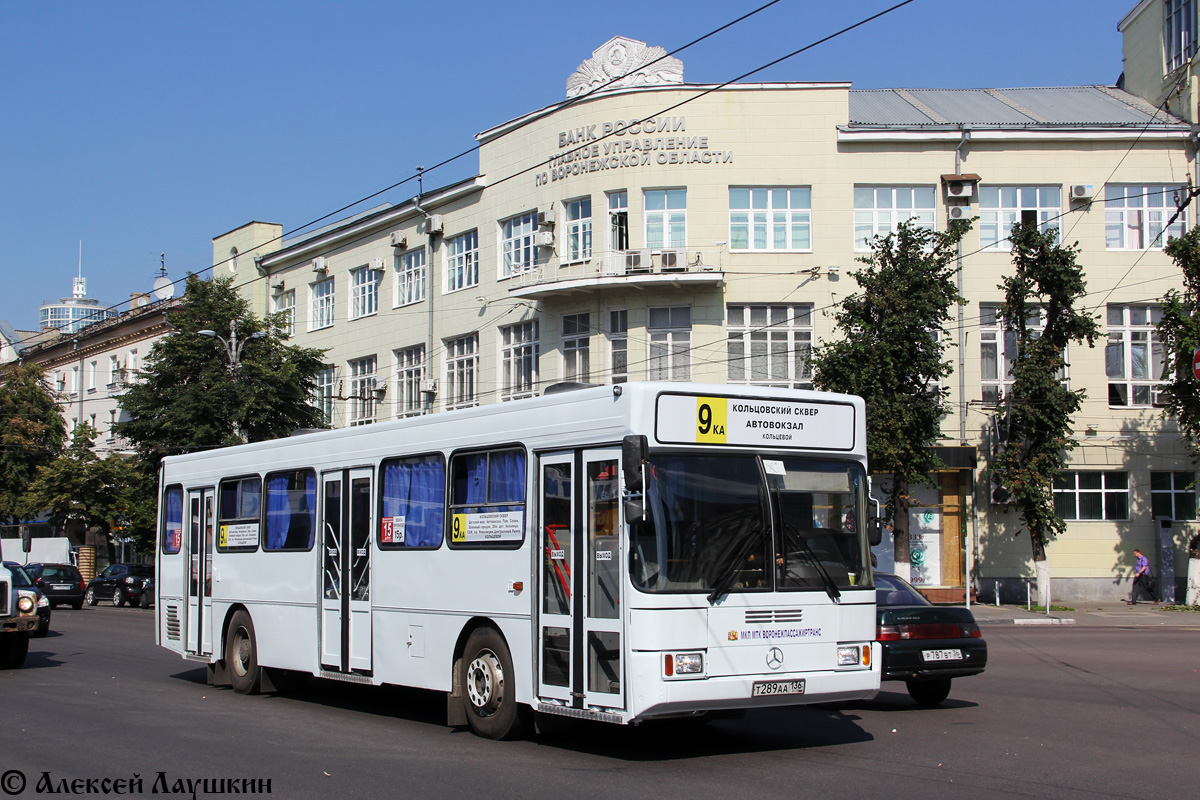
(960,188)
(429,385)
(544,238)
(958,212)
(547,217)
(433,223)
(637,260)
(399,239)
(376,265)
(318,264)
(673,259)
(1082,191)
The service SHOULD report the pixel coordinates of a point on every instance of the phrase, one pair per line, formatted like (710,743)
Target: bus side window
(291,510)
(414,502)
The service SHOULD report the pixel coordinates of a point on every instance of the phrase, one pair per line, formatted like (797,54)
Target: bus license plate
(766,688)
(942,655)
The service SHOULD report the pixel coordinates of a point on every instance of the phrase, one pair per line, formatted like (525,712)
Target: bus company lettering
(769,634)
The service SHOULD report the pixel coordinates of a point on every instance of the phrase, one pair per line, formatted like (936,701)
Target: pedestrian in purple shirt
(1141,578)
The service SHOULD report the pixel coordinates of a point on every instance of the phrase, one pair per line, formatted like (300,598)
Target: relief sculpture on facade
(634,63)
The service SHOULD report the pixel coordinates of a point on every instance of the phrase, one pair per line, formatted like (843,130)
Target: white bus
(615,553)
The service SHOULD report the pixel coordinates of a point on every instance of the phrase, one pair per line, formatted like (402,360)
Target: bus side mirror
(633,453)
(633,456)
(875,526)
(26,539)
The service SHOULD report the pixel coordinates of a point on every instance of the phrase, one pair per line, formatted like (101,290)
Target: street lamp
(233,348)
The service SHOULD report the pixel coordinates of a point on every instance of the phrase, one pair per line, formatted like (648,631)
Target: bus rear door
(346,570)
(199,543)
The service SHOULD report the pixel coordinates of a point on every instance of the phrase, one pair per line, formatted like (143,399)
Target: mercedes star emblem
(774,658)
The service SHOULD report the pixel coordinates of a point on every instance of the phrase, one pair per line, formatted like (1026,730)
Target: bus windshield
(750,524)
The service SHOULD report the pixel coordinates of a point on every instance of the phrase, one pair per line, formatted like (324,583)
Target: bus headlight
(848,656)
(26,603)
(680,664)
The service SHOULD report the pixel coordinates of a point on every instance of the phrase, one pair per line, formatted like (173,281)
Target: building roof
(1048,107)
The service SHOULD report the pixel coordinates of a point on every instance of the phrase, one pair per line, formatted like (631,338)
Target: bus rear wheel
(241,654)
(490,687)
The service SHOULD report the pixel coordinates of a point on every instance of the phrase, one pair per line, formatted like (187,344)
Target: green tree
(32,434)
(1179,331)
(192,396)
(1040,308)
(892,353)
(80,486)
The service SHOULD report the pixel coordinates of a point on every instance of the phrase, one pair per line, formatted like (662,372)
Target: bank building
(645,228)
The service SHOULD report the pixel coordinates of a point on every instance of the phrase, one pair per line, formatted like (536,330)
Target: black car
(23,580)
(924,645)
(118,583)
(61,583)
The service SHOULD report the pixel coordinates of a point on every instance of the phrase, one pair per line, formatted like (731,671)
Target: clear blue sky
(148,127)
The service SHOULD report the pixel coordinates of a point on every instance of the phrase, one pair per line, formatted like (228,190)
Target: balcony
(621,270)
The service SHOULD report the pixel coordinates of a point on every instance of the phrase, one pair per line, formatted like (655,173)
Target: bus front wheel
(490,687)
(241,654)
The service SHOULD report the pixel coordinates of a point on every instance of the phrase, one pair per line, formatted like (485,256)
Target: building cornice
(393,216)
(1007,135)
(1128,18)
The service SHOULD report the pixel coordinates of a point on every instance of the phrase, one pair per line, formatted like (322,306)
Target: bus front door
(199,543)
(580,587)
(346,571)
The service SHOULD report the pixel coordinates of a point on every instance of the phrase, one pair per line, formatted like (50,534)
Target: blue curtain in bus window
(310,507)
(506,478)
(173,524)
(470,485)
(415,490)
(279,511)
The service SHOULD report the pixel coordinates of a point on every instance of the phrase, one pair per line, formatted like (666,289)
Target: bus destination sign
(754,422)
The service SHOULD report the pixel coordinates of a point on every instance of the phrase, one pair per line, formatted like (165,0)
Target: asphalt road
(1063,712)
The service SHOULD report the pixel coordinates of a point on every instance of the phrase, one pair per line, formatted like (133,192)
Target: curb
(1035,621)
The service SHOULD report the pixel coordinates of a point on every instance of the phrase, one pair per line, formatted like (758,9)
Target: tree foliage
(190,397)
(106,494)
(892,353)
(1041,300)
(32,434)
(1179,331)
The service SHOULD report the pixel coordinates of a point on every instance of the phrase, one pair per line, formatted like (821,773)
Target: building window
(771,345)
(75,380)
(519,360)
(618,220)
(93,368)
(462,364)
(323,394)
(114,371)
(410,371)
(1134,216)
(579,229)
(998,352)
(666,219)
(670,344)
(618,344)
(364,292)
(770,219)
(362,391)
(1002,207)
(1134,358)
(576,333)
(1173,495)
(1092,495)
(1179,32)
(285,304)
(410,277)
(322,305)
(879,210)
(462,261)
(518,253)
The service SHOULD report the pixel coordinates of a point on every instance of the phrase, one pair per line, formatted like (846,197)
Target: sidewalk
(1107,614)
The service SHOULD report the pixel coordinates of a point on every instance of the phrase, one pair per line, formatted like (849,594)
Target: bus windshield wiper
(831,588)
(722,584)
